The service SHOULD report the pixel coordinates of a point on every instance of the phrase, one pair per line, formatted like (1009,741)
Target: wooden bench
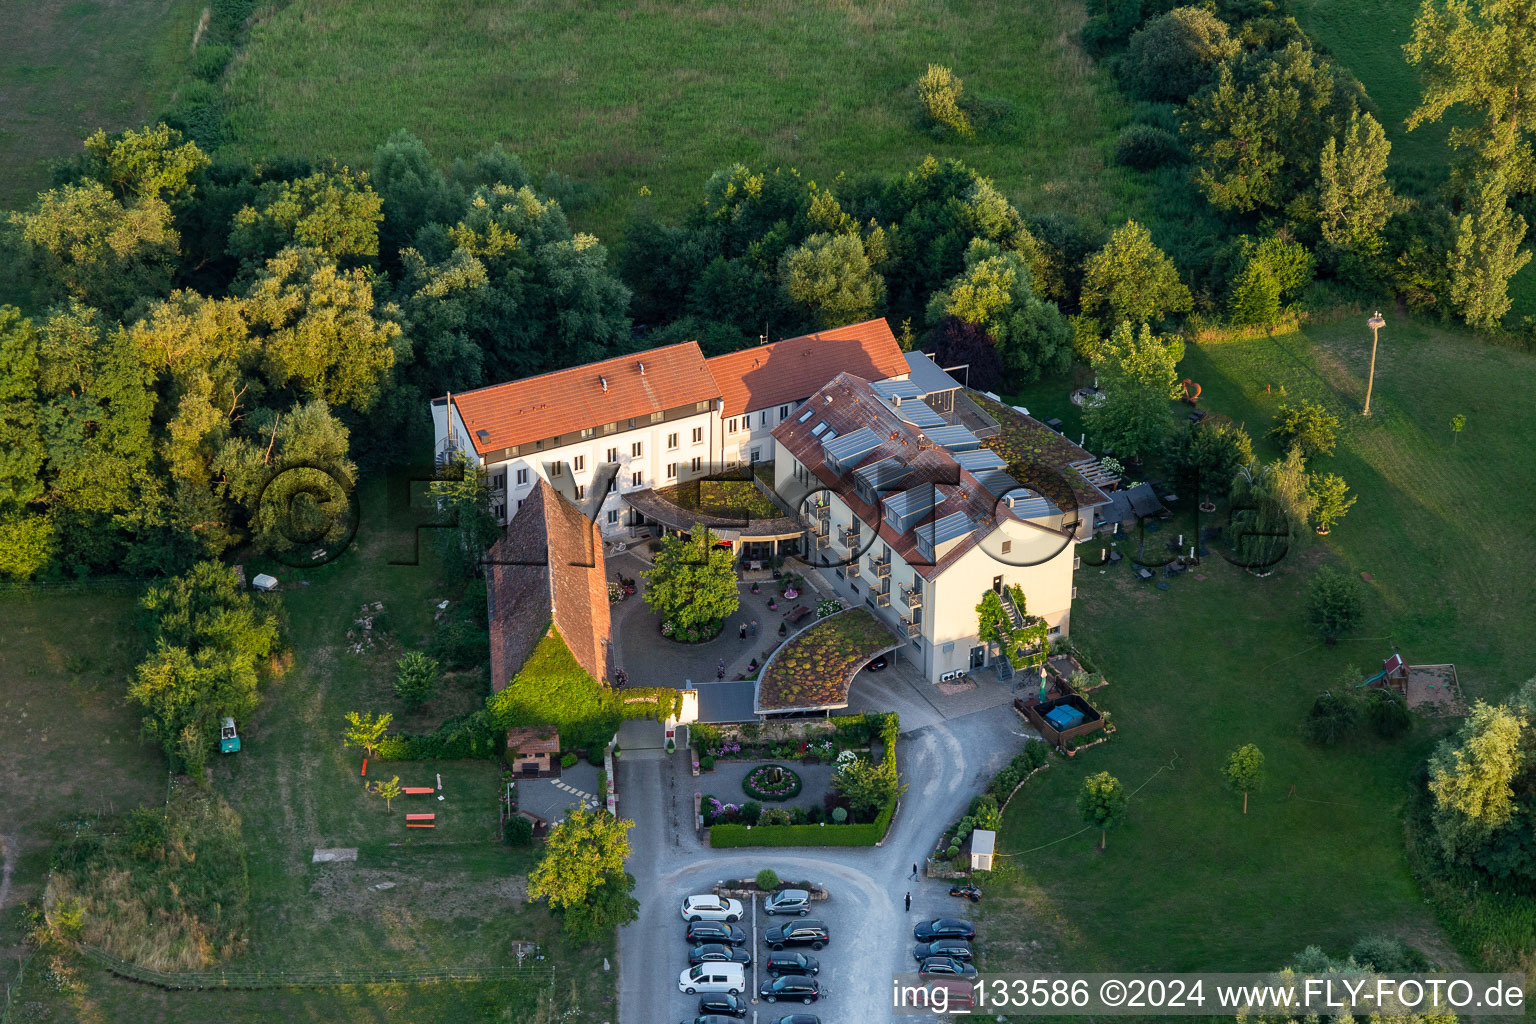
(420,824)
(417,790)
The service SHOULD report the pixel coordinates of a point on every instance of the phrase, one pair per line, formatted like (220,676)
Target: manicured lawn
(1189,881)
(450,896)
(73,66)
(658,96)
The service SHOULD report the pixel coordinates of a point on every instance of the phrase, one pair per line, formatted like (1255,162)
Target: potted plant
(615,751)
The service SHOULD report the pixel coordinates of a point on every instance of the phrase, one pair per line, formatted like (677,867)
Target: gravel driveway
(943,764)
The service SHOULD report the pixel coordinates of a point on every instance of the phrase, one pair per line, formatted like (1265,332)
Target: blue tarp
(1064,717)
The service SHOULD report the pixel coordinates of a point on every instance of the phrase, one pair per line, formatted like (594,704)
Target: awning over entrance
(673,516)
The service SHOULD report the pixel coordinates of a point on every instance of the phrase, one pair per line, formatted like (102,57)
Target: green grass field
(73,66)
(659,95)
(1208,665)
(450,896)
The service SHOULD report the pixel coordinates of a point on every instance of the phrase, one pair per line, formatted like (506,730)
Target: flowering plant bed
(771,782)
(681,635)
(815,667)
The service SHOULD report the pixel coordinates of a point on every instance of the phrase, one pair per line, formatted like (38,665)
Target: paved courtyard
(550,799)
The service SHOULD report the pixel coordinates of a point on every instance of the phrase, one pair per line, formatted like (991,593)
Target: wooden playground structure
(1428,689)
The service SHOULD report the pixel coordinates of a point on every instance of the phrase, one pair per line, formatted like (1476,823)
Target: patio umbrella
(1042,683)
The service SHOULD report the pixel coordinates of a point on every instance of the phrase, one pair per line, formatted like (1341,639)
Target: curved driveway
(943,765)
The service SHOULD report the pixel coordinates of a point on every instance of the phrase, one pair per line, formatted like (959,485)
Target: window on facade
(698,435)
(522,477)
(657,417)
(586,432)
(613,455)
(762,418)
(499,480)
(636,448)
(1007,546)
(730,427)
(581,491)
(997,584)
(671,471)
(634,478)
(556,468)
(697,464)
(613,516)
(579,463)
(613,482)
(757,455)
(783,412)
(520,502)
(672,442)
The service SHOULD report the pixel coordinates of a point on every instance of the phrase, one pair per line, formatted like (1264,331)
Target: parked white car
(711,908)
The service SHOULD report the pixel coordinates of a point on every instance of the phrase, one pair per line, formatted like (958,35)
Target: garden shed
(531,750)
(983,840)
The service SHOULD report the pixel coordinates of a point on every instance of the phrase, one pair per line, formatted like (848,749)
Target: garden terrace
(730,499)
(664,508)
(1039,458)
(814,668)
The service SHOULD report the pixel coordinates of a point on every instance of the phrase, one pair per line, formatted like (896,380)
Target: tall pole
(1375,323)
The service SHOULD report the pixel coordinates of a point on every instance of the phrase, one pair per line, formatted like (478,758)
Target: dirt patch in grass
(346,890)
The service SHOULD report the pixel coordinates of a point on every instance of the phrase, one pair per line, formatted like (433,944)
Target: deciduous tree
(693,583)
(1139,374)
(1331,499)
(365,730)
(1174,55)
(334,213)
(1132,279)
(833,276)
(1244,770)
(581,874)
(1472,777)
(1334,602)
(1354,200)
(995,294)
(149,162)
(1487,253)
(1102,804)
(416,677)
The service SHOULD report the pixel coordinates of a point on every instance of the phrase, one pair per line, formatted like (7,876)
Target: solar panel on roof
(951,527)
(850,447)
(883,474)
(981,458)
(956,438)
(893,389)
(919,415)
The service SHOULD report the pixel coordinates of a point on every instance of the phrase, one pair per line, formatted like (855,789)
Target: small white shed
(982,842)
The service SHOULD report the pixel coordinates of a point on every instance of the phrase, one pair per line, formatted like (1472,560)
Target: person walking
(742,633)
(720,670)
(909,902)
(754,627)
(914,870)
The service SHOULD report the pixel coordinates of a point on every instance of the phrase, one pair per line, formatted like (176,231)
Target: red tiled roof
(789,370)
(848,403)
(547,568)
(532,740)
(566,401)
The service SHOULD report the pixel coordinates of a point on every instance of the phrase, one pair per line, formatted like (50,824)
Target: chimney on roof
(604,382)
(642,368)
(828,400)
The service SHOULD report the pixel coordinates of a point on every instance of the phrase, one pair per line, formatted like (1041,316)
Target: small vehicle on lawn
(970,892)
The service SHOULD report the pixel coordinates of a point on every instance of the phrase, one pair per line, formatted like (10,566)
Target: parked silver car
(788,901)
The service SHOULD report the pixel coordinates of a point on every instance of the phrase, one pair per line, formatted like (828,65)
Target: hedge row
(471,735)
(726,836)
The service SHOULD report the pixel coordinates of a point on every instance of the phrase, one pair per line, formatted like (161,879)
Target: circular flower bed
(692,635)
(771,782)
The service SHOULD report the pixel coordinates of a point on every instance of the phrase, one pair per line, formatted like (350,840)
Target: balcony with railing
(880,590)
(848,536)
(880,568)
(911,596)
(817,519)
(910,627)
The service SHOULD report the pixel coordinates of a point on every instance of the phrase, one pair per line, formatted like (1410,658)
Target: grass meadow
(413,900)
(1188,881)
(657,95)
(73,66)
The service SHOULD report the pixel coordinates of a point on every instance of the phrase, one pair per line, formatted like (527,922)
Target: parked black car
(801,933)
(791,963)
(714,952)
(791,986)
(715,931)
(946,967)
(796,1018)
(944,928)
(878,665)
(711,1018)
(955,949)
(723,1004)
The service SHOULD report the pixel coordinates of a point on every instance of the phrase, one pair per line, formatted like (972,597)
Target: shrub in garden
(595,757)
(772,782)
(416,679)
(774,816)
(1144,147)
(706,763)
(1333,716)
(1387,713)
(1307,424)
(953,851)
(1175,54)
(750,812)
(767,879)
(839,815)
(939,91)
(798,816)
(568,760)
(519,830)
(1335,602)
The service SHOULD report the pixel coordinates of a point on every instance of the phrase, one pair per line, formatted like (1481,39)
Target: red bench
(420,824)
(417,790)
(420,817)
